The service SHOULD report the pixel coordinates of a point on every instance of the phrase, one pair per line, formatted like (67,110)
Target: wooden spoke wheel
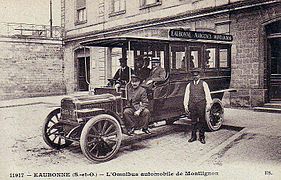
(53,133)
(101,138)
(214,118)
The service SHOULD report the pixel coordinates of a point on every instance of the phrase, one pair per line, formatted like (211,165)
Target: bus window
(210,61)
(155,54)
(223,54)
(178,62)
(194,59)
(116,54)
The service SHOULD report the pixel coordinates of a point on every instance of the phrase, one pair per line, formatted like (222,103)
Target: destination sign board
(181,33)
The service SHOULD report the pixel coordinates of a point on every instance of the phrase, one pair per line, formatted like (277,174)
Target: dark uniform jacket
(123,74)
(142,73)
(137,98)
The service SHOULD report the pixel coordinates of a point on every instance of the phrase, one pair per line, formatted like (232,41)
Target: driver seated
(136,113)
(122,75)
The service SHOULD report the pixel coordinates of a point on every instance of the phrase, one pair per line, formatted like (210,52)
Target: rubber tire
(44,133)
(85,131)
(209,126)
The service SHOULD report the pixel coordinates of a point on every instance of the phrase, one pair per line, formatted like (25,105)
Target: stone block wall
(249,73)
(30,68)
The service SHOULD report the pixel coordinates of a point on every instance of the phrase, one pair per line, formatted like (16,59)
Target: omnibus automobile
(96,120)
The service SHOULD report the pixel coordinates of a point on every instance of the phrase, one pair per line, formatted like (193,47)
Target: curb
(220,147)
(23,104)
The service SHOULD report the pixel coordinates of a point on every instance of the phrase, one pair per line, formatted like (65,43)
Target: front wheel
(215,117)
(101,138)
(53,133)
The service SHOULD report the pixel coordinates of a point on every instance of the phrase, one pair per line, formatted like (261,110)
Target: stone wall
(249,64)
(30,67)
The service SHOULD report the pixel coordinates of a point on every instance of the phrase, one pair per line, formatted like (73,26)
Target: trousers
(132,121)
(197,116)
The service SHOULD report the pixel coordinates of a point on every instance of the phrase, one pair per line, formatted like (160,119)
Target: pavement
(256,148)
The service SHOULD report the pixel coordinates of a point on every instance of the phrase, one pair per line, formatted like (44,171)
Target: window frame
(144,4)
(216,47)
(173,60)
(122,10)
(79,9)
(195,47)
(228,61)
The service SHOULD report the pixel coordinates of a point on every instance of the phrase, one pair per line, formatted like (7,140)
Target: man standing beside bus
(197,100)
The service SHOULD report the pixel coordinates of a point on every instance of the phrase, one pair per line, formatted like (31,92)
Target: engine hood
(91,99)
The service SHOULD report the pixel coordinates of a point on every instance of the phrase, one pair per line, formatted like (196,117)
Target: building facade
(254,24)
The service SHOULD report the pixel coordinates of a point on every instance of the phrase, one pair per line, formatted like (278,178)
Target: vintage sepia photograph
(140,89)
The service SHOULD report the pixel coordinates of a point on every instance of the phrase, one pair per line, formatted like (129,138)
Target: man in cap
(136,114)
(123,73)
(197,100)
(157,73)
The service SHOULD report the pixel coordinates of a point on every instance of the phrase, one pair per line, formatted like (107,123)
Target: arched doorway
(273,32)
(82,58)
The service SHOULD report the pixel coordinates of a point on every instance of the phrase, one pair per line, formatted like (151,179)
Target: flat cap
(196,71)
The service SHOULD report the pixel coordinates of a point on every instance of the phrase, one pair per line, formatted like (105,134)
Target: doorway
(83,73)
(274,59)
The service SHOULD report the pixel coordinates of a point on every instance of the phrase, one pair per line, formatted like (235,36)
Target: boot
(202,140)
(202,137)
(193,136)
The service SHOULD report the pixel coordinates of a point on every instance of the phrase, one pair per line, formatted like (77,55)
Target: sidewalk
(256,122)
(36,100)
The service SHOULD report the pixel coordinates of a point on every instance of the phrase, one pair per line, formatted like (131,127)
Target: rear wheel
(53,133)
(101,138)
(215,117)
